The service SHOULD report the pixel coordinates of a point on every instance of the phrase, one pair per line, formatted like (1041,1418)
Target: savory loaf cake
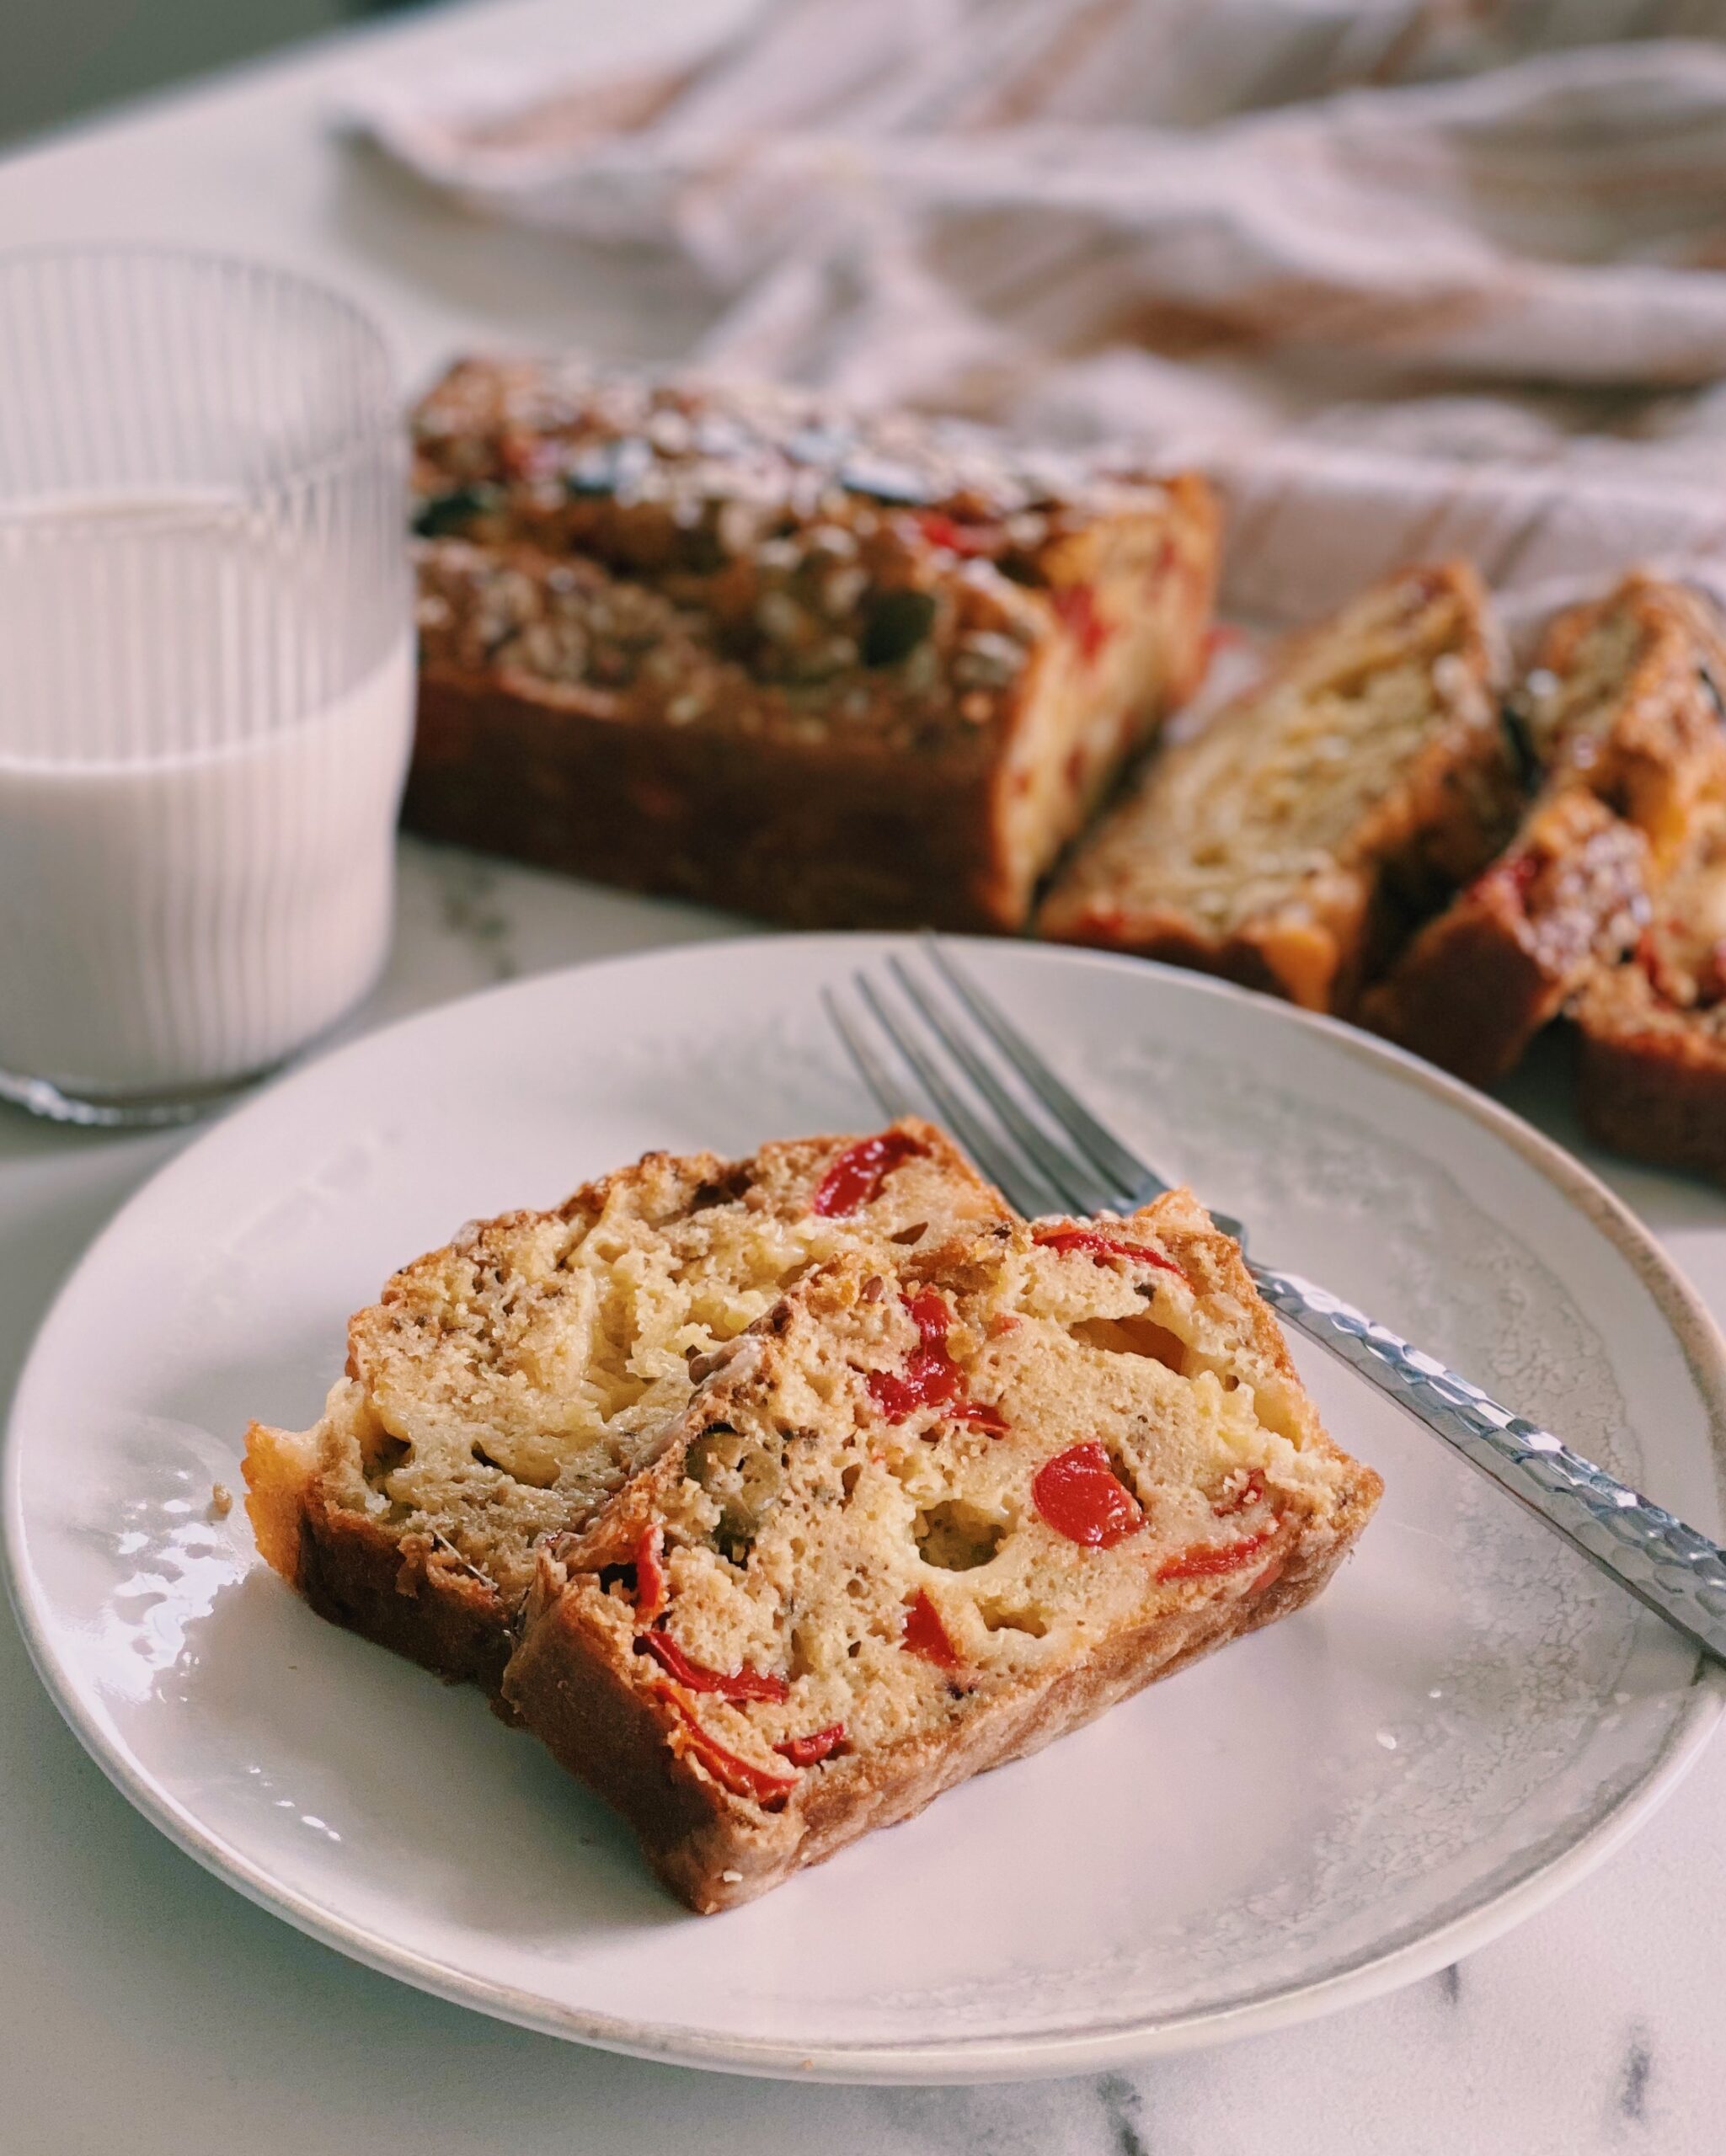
(501,1386)
(1287,844)
(1653,1028)
(940,1506)
(732,645)
(1623,714)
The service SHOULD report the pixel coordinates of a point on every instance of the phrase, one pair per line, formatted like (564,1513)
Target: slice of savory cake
(941,1505)
(1623,713)
(500,1387)
(1653,1029)
(1286,845)
(1478,984)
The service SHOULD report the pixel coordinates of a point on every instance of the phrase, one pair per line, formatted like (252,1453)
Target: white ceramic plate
(1468,1719)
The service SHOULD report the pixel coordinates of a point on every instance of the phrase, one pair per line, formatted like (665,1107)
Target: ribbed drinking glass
(205,674)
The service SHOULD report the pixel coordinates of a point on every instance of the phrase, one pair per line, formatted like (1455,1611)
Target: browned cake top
(884,576)
(556,446)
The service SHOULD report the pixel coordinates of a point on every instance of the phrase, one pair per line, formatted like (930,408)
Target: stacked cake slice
(500,1387)
(925,1517)
(779,1496)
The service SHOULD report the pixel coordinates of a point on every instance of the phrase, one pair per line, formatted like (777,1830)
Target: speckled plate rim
(1103,2045)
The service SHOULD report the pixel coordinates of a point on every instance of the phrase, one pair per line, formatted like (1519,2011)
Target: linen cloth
(1405,277)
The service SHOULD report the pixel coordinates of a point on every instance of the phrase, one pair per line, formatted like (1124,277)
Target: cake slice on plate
(1653,1028)
(1288,843)
(502,1386)
(941,1505)
(1623,714)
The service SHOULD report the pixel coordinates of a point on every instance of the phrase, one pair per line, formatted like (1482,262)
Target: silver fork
(1046,1152)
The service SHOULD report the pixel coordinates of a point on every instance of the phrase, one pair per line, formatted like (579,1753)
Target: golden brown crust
(1477,984)
(408,1593)
(1652,1080)
(811,834)
(581,1681)
(404,1592)
(1437,819)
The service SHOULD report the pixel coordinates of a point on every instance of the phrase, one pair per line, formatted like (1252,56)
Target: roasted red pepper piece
(1076,606)
(931,1377)
(1080,1497)
(1111,923)
(855,1178)
(650,1574)
(742,1777)
(1517,877)
(741,1685)
(1250,1492)
(924,1635)
(1208,1559)
(810,1751)
(940,530)
(1100,1247)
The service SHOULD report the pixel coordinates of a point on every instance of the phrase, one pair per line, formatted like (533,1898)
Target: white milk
(198,791)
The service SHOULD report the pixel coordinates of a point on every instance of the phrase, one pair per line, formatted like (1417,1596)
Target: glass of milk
(206,675)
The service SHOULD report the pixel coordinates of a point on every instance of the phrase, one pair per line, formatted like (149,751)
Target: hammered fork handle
(1663,1562)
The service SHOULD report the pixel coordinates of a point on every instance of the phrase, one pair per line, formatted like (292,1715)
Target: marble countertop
(147,2007)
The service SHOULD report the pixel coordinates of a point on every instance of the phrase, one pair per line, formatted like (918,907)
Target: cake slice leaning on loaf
(502,1386)
(1290,844)
(1623,713)
(940,1506)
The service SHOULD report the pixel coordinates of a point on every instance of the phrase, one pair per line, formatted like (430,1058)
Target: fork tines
(925,1037)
